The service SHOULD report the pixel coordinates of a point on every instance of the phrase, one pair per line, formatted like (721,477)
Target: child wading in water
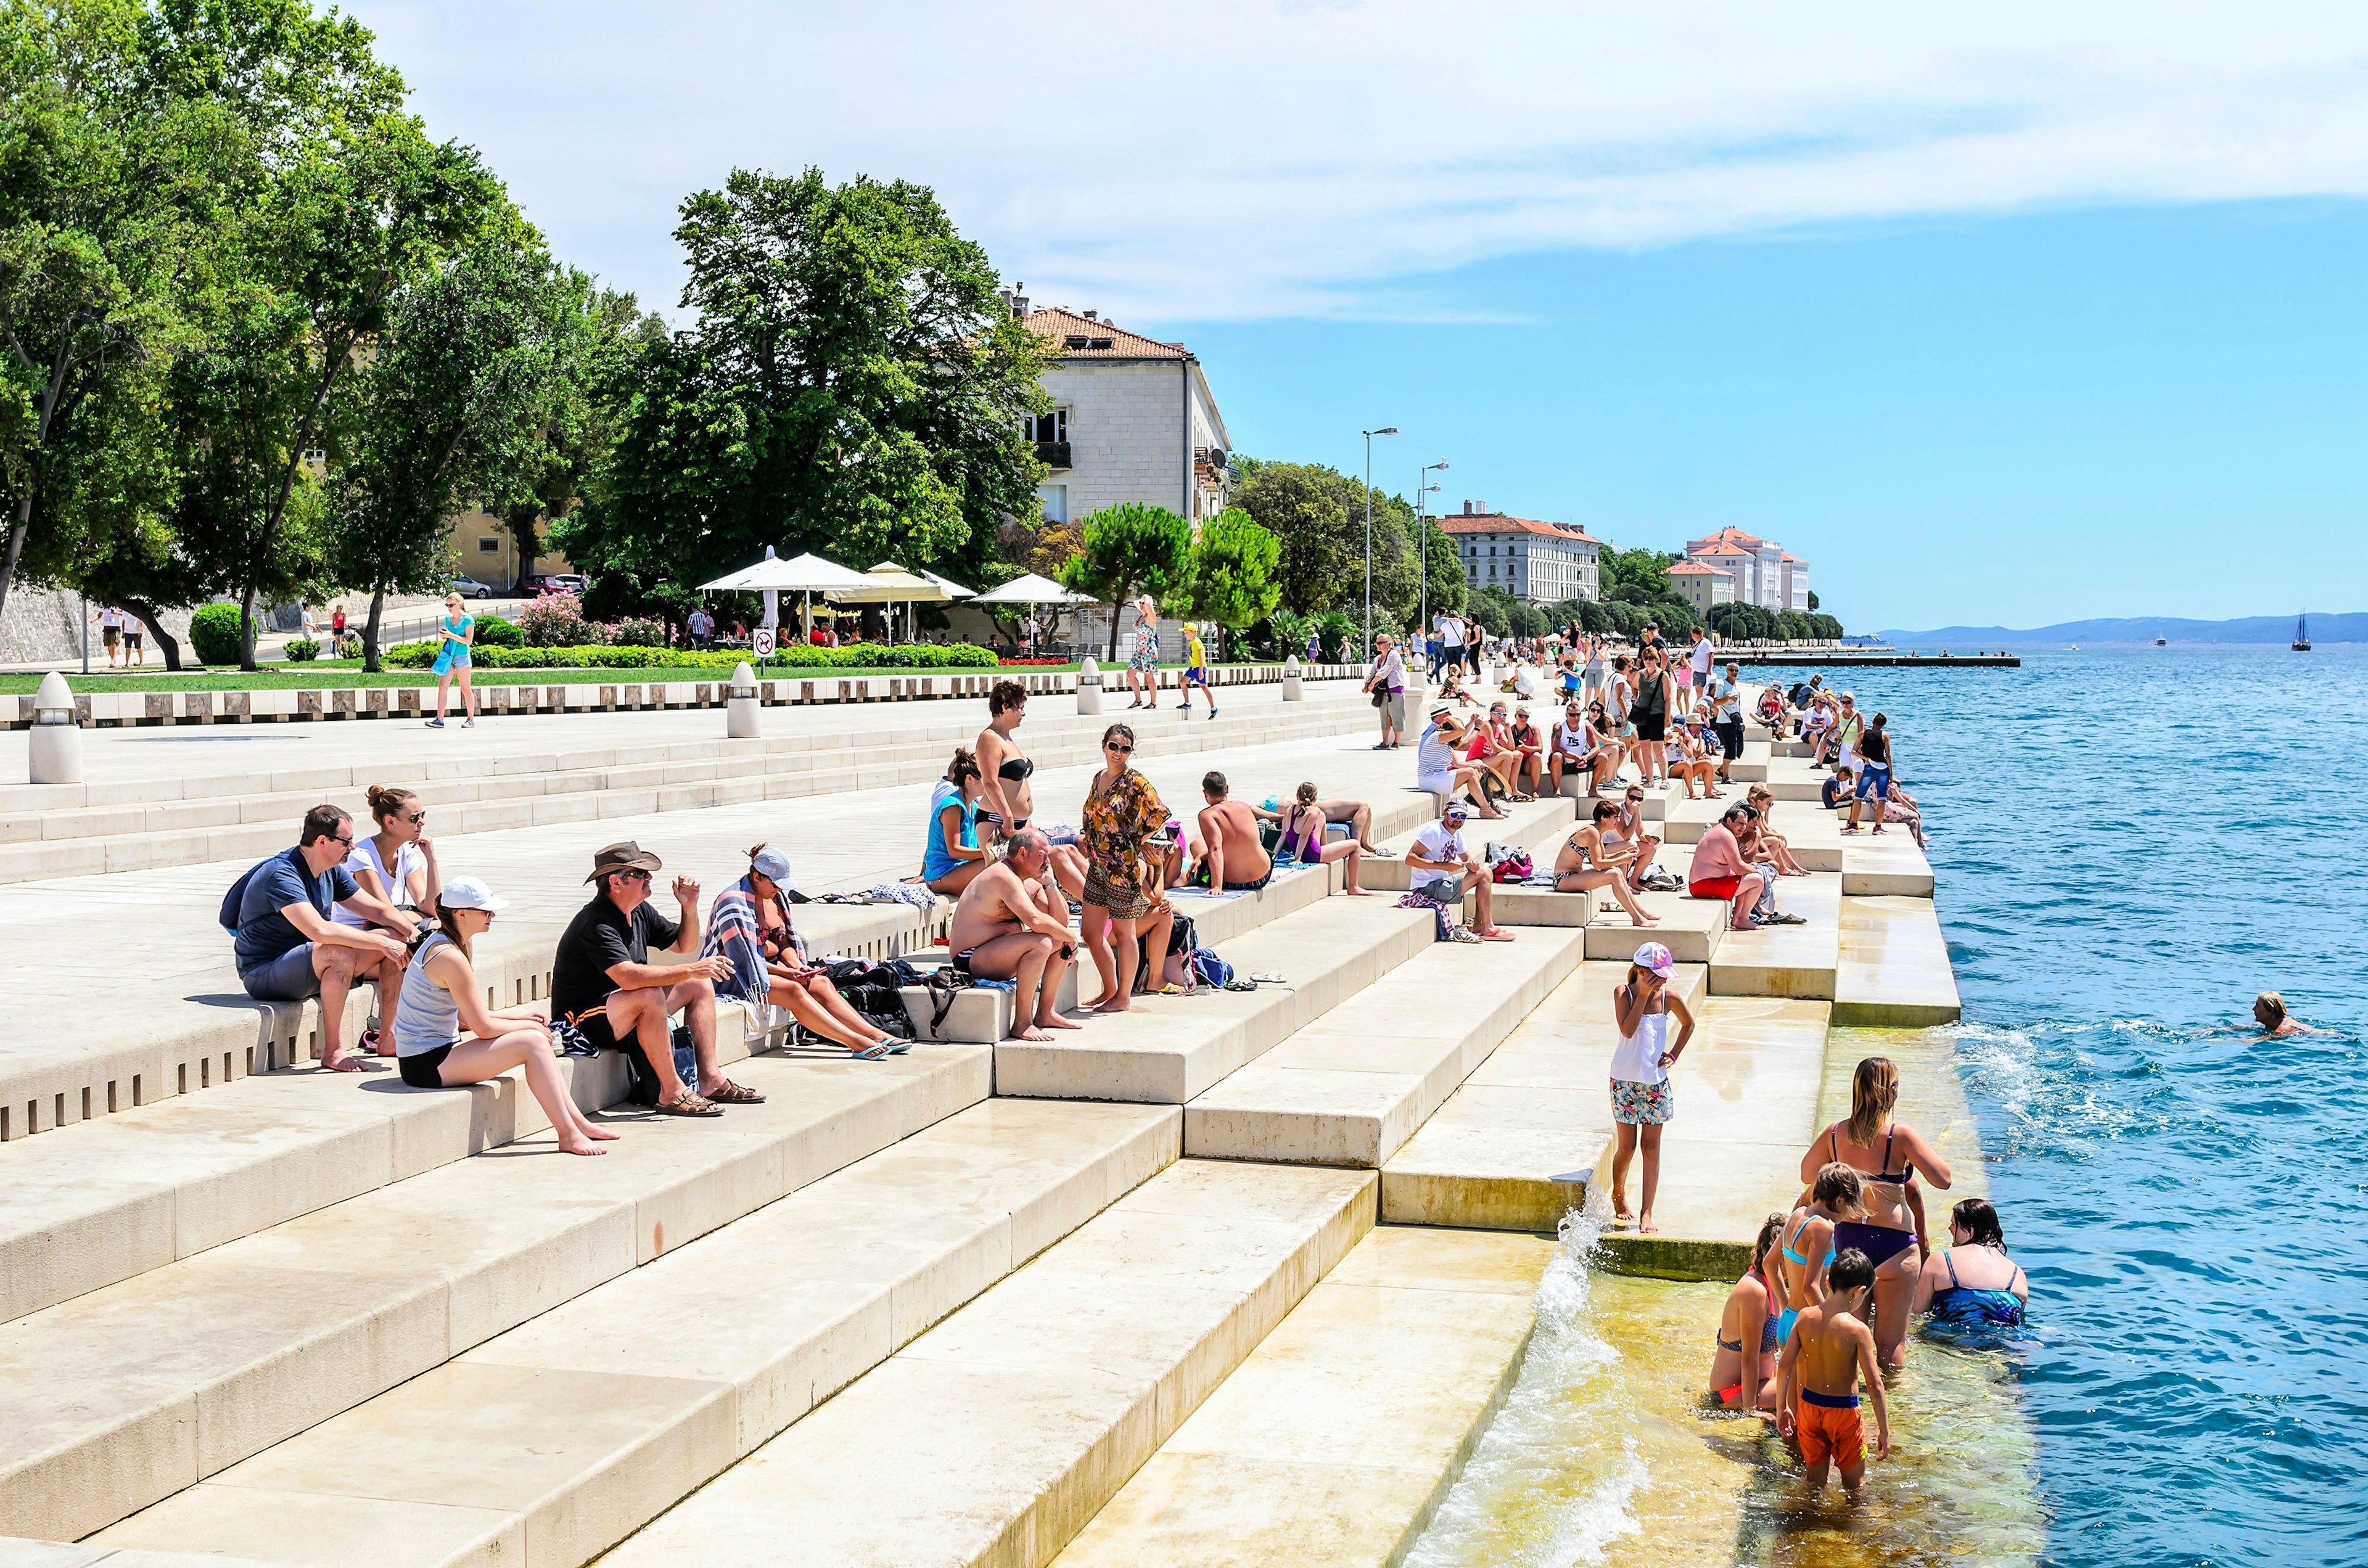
(1831,1349)
(1640,1074)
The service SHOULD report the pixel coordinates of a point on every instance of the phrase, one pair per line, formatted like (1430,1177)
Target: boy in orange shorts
(1817,1377)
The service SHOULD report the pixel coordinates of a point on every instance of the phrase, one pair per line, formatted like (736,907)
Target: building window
(1052,501)
(1053,426)
(488,545)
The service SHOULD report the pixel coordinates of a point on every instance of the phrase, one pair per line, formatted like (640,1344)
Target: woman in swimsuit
(951,857)
(1779,849)
(1303,840)
(1889,1156)
(1749,1317)
(1588,862)
(1006,799)
(1806,1245)
(1972,1287)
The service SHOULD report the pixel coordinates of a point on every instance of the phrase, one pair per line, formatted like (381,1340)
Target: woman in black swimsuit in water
(1006,799)
(1889,1156)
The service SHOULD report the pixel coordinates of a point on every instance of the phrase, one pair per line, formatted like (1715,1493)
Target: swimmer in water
(2269,1012)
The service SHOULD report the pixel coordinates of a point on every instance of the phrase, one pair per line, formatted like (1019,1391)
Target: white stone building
(1538,562)
(1133,420)
(1764,574)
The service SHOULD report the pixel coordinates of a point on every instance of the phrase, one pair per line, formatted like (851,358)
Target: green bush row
(924,656)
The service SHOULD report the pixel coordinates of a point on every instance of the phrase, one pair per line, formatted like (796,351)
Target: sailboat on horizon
(2302,635)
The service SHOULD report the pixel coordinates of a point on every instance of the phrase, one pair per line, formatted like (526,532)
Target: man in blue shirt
(289,949)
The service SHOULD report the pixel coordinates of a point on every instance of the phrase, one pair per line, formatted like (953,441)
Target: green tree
(445,411)
(855,385)
(1813,598)
(1128,549)
(1447,589)
(1309,524)
(1232,570)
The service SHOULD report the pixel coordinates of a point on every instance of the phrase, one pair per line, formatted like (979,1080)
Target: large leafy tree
(853,384)
(1318,514)
(1234,563)
(447,410)
(1128,549)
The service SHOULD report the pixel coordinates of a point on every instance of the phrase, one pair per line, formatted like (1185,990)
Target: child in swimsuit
(1830,1351)
(1752,1301)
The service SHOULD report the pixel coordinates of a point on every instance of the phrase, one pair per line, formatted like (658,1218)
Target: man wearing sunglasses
(603,983)
(288,949)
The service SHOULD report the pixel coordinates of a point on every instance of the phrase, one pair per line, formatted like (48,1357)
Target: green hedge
(213,633)
(863,655)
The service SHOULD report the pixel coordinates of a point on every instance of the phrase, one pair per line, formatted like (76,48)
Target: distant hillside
(2277,628)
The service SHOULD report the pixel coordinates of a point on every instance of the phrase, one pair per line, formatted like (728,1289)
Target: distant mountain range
(2277,628)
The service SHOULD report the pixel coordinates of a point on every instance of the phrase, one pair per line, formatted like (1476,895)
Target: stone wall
(42,625)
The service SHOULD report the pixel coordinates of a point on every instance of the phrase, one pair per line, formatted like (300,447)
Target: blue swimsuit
(1962,1309)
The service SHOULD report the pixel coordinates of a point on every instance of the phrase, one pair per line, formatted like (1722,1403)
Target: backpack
(1205,967)
(642,1087)
(237,896)
(877,992)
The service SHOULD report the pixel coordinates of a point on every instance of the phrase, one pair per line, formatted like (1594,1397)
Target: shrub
(213,633)
(492,631)
(863,655)
(556,621)
(639,633)
(303,649)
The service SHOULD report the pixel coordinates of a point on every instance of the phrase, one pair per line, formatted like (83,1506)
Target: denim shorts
(288,978)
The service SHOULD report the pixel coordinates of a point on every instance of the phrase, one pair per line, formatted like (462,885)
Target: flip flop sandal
(729,1093)
(871,1052)
(688,1104)
(897,1045)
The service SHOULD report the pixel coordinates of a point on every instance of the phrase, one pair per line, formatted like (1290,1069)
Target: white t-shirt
(1435,842)
(109,616)
(1702,656)
(1451,631)
(407,859)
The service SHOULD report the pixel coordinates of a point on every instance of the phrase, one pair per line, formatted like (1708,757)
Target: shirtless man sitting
(1228,848)
(1013,924)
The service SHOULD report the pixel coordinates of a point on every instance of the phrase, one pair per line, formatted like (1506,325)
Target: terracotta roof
(1498,523)
(1726,541)
(1794,559)
(1072,337)
(1691,566)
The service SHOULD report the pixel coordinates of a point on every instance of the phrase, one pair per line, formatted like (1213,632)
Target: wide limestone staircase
(1235,1276)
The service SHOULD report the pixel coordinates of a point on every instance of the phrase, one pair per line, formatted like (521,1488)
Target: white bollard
(742,710)
(1089,685)
(55,752)
(1291,687)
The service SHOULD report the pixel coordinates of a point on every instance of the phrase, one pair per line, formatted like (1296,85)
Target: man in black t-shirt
(603,983)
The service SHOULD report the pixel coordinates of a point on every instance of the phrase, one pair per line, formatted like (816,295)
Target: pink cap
(1655,957)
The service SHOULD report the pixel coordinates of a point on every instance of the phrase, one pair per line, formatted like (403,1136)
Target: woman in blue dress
(460,630)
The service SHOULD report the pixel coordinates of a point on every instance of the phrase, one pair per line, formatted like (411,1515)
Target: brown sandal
(688,1104)
(729,1093)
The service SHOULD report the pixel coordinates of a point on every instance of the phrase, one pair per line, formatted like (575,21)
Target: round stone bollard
(1292,692)
(1089,685)
(741,708)
(55,752)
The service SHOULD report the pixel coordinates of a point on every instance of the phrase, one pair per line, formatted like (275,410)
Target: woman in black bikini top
(1870,1142)
(1006,800)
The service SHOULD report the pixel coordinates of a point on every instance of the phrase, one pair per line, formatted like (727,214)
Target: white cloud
(1225,159)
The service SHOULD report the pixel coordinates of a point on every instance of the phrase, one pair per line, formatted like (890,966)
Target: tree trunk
(1121,599)
(246,631)
(370,633)
(169,644)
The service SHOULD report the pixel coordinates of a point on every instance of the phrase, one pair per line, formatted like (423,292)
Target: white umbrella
(1034,590)
(889,583)
(806,573)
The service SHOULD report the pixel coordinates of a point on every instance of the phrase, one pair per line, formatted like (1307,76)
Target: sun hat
(1655,957)
(625,857)
(469,893)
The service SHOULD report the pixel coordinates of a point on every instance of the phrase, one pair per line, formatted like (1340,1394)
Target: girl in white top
(1640,1076)
(398,862)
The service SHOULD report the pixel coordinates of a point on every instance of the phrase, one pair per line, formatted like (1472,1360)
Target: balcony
(1053,454)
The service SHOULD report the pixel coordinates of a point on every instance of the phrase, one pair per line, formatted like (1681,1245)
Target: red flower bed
(1008,663)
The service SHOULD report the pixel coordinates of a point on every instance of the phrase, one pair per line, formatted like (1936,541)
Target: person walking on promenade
(1385,679)
(441,998)
(1873,773)
(1971,1287)
(1641,1102)
(1650,712)
(1122,812)
(287,947)
(1586,862)
(1848,725)
(1007,799)
(1196,671)
(110,632)
(1142,659)
(1699,659)
(1829,1354)
(452,662)
(1302,837)
(1455,871)
(1889,1156)
(1725,694)
(1743,1369)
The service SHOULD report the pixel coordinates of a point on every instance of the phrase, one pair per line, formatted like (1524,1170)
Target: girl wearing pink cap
(1640,1076)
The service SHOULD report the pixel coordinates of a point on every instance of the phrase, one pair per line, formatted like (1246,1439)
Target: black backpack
(234,899)
(877,991)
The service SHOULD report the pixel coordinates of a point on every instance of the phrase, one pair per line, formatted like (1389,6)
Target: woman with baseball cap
(1640,1076)
(440,999)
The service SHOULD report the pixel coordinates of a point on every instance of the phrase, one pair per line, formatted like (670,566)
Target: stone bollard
(1089,685)
(1292,692)
(56,751)
(742,707)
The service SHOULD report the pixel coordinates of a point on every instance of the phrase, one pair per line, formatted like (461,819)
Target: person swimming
(2269,1012)
(1986,1292)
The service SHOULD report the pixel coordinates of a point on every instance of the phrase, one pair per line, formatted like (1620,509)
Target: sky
(2031,314)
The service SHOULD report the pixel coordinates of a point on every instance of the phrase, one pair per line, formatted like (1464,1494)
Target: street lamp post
(1384,430)
(1422,488)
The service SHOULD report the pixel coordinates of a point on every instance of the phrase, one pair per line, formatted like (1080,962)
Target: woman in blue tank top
(949,853)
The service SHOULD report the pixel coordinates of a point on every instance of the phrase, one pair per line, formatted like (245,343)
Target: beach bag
(643,1088)
(1207,969)
(945,983)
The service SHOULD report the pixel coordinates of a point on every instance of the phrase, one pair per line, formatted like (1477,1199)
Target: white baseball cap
(469,893)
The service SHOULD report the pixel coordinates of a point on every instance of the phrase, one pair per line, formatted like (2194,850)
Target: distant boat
(2162,641)
(2302,635)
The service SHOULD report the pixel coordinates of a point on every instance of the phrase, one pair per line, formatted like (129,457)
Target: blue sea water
(2130,844)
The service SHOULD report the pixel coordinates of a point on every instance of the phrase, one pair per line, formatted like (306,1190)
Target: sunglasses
(635,876)
(1114,745)
(346,840)
(414,818)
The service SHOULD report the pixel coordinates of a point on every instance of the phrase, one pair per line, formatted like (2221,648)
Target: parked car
(574,583)
(468,587)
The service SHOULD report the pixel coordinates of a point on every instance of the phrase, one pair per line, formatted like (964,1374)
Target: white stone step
(1339,1438)
(1351,1087)
(189,1368)
(993,1437)
(1168,1050)
(550,1443)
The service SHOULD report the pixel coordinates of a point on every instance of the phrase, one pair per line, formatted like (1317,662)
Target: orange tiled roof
(1726,541)
(1788,560)
(1498,523)
(1698,566)
(1101,339)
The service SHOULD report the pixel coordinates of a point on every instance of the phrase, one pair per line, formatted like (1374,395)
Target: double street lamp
(1423,486)
(1384,430)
